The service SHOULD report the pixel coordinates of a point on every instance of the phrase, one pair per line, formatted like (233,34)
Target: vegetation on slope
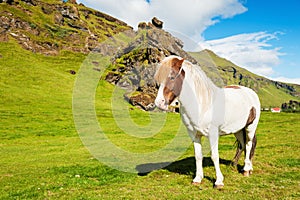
(50,26)
(36,91)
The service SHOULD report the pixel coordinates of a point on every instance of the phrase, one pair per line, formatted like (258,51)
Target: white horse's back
(239,101)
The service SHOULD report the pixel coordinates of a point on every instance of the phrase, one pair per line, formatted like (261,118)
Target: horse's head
(170,76)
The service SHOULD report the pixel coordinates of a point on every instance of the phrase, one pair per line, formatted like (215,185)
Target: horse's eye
(172,78)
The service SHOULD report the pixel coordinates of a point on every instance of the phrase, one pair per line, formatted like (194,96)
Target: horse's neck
(197,93)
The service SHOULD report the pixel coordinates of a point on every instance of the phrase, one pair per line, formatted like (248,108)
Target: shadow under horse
(185,166)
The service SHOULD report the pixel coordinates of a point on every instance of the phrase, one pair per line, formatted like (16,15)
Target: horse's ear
(177,63)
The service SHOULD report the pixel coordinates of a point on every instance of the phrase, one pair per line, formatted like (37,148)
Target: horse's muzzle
(161,104)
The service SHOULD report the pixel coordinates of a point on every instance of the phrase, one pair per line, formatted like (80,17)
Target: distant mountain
(50,27)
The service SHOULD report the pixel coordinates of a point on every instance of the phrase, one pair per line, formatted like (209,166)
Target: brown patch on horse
(233,86)
(171,74)
(251,117)
(165,68)
(174,80)
(177,64)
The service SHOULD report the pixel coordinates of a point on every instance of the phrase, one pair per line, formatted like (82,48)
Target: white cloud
(251,51)
(129,11)
(190,17)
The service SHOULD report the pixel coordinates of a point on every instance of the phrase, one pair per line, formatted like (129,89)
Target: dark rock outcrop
(135,65)
(70,12)
(157,23)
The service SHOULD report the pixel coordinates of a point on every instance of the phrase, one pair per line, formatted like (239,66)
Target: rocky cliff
(134,67)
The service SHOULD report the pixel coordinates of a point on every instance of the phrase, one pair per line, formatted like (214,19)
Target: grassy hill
(48,26)
(36,91)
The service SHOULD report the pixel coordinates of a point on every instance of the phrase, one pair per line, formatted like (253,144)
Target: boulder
(73,72)
(145,101)
(59,19)
(47,9)
(70,12)
(142,25)
(157,23)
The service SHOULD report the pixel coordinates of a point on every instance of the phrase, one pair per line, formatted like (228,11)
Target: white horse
(207,110)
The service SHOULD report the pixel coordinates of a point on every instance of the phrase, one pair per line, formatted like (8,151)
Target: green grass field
(42,156)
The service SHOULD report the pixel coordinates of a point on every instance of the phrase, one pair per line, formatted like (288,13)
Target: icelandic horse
(207,110)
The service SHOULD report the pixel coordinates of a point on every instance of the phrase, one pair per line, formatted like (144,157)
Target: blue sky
(281,17)
(259,35)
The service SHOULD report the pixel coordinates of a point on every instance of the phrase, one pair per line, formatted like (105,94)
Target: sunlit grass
(42,156)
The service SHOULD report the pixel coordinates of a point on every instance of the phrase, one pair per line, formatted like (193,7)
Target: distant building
(265,109)
(275,110)
(174,107)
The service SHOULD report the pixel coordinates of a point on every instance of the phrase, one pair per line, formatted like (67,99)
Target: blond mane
(204,87)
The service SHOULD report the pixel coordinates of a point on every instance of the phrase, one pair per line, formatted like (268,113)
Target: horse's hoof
(218,187)
(247,173)
(196,183)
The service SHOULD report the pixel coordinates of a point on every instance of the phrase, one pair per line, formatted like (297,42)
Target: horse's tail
(240,147)
(254,141)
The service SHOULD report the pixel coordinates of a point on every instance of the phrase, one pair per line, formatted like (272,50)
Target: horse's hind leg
(252,151)
(250,130)
(250,147)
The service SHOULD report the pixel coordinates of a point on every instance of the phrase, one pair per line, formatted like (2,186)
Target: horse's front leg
(199,158)
(214,140)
